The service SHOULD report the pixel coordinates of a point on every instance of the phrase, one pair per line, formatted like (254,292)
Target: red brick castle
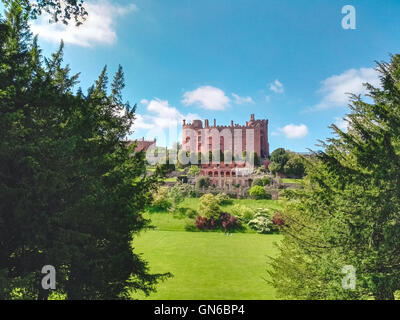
(234,138)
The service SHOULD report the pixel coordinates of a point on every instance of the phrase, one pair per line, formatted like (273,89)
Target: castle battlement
(260,127)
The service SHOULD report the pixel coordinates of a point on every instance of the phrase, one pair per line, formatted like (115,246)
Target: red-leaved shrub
(278,219)
(228,221)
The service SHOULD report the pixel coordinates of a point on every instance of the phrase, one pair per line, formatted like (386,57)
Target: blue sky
(289,61)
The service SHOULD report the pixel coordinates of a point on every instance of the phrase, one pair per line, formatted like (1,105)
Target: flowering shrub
(261,223)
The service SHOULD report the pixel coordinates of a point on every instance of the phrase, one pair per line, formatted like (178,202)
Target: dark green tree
(294,167)
(71,192)
(348,213)
(279,156)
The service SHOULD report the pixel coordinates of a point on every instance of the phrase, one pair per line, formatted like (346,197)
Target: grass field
(193,203)
(293,181)
(208,265)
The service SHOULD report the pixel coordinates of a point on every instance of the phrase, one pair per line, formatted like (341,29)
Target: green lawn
(208,265)
(294,181)
(193,203)
(165,221)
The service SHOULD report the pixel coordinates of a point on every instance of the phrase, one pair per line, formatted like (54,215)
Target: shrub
(175,195)
(187,190)
(161,199)
(266,181)
(190,225)
(262,223)
(245,214)
(204,223)
(194,171)
(257,182)
(278,219)
(209,207)
(228,221)
(190,213)
(295,166)
(258,192)
(203,182)
(223,199)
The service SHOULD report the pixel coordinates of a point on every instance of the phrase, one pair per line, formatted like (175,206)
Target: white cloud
(267,99)
(99,27)
(161,115)
(207,97)
(142,123)
(242,100)
(342,124)
(292,131)
(277,87)
(336,89)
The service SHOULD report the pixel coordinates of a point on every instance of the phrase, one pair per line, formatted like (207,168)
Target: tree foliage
(209,207)
(59,10)
(348,213)
(71,191)
(294,167)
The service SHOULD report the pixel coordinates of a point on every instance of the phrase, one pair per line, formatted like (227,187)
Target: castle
(251,138)
(234,138)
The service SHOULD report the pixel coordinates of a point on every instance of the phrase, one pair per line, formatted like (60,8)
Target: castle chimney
(215,122)
(231,123)
(252,117)
(206,123)
(184,122)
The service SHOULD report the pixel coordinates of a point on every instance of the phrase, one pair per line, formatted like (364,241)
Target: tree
(294,167)
(176,195)
(203,182)
(279,156)
(162,200)
(194,171)
(62,10)
(71,193)
(348,213)
(209,207)
(274,167)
